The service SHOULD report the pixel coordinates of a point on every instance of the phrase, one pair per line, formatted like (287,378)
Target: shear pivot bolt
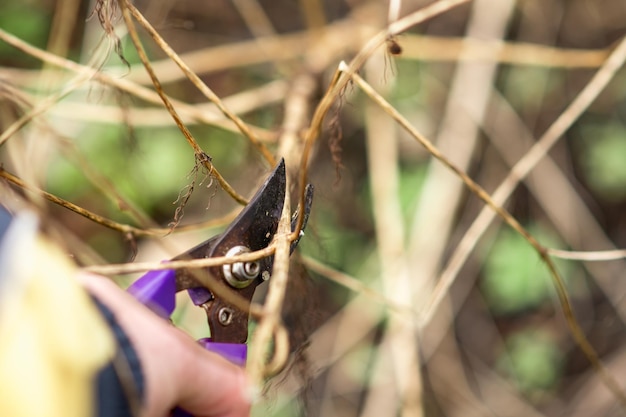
(241,274)
(246,270)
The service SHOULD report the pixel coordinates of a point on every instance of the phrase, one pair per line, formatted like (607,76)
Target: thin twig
(215,287)
(355,285)
(123,228)
(111,224)
(450,49)
(566,306)
(400,340)
(130,268)
(259,345)
(122,84)
(42,107)
(589,256)
(242,102)
(193,77)
(338,84)
(425,48)
(201,157)
(352,32)
(297,105)
(521,169)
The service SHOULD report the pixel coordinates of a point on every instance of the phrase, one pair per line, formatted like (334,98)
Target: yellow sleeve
(53,339)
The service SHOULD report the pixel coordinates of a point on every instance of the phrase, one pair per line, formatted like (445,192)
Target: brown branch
(244,102)
(341,80)
(193,77)
(257,362)
(449,49)
(123,228)
(201,157)
(521,170)
(276,49)
(219,290)
(589,256)
(297,106)
(41,107)
(354,285)
(123,84)
(111,224)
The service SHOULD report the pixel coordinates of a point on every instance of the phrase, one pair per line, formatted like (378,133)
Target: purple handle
(236,353)
(157,290)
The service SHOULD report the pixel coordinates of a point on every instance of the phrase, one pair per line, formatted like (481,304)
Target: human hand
(177,371)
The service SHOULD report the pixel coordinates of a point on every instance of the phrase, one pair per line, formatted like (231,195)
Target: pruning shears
(252,230)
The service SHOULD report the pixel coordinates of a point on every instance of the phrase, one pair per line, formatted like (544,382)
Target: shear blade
(253,228)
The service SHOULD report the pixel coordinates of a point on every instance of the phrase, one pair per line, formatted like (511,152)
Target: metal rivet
(225,316)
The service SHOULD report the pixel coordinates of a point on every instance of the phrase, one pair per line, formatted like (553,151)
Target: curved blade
(253,228)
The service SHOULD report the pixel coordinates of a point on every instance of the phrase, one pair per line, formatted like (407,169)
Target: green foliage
(526,87)
(129,53)
(342,248)
(146,173)
(28,23)
(358,362)
(411,182)
(533,360)
(515,278)
(409,92)
(604,159)
(227,149)
(286,407)
(147,167)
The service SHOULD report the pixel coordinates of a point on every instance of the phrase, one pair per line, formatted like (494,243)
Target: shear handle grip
(157,290)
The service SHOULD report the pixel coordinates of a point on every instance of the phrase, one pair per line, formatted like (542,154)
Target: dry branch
(193,77)
(573,324)
(123,85)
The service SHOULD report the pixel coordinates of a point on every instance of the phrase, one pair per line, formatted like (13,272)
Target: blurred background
(483,81)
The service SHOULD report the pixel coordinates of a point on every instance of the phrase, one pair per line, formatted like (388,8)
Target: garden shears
(253,229)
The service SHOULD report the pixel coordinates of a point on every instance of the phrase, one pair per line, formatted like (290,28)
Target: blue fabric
(5,221)
(111,397)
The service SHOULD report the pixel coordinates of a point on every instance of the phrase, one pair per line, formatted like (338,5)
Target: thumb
(211,386)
